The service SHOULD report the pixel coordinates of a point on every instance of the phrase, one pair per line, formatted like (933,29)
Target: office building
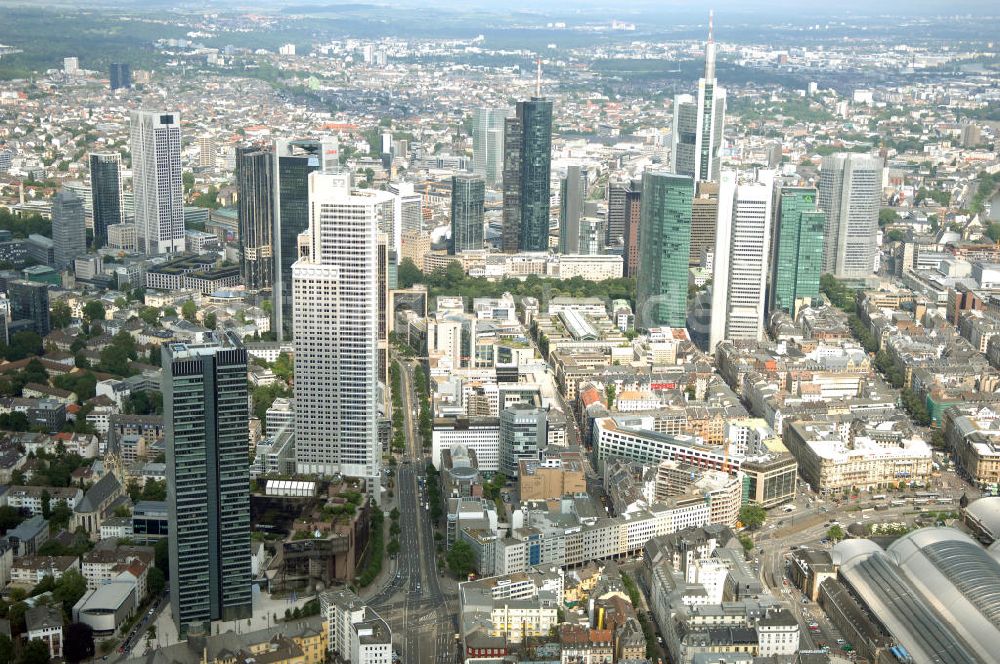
(697,128)
(106,194)
(69,230)
(487,143)
(156,181)
(850,192)
(526,172)
(335,329)
(631,215)
(615,222)
(798,249)
(572,193)
(71,66)
(206,151)
(208,478)
(293,162)
(468,193)
(591,236)
(739,276)
(704,215)
(29,306)
(523,435)
(120,74)
(664,245)
(408,211)
(255,215)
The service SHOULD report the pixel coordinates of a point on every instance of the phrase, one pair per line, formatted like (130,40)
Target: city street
(412,601)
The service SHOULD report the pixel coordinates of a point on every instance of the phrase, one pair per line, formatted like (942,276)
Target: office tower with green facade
(797,259)
(664,245)
(208,478)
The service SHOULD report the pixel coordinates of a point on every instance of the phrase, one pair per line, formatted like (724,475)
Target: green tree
(189,310)
(993,231)
(6,649)
(461,560)
(60,315)
(46,504)
(150,316)
(61,515)
(887,216)
(93,311)
(210,321)
(71,587)
(747,543)
(752,516)
(283,367)
(78,642)
(34,651)
(157,581)
(188,179)
(835,533)
(408,273)
(23,344)
(162,552)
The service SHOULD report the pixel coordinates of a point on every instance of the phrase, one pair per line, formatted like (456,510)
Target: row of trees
(376,549)
(398,442)
(425,424)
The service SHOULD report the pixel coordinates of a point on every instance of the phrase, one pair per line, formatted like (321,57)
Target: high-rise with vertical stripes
(850,192)
(335,324)
(156,181)
(696,143)
(206,415)
(487,143)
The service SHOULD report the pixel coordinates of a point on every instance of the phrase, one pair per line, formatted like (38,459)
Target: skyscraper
(739,277)
(591,236)
(29,301)
(208,478)
(106,194)
(513,144)
(121,75)
(408,206)
(572,192)
(293,162)
(156,181)
(696,141)
(468,193)
(69,230)
(527,168)
(614,227)
(335,324)
(850,192)
(798,249)
(664,245)
(255,215)
(704,215)
(631,215)
(487,143)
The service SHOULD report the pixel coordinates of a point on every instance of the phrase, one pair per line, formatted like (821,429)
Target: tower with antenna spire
(696,141)
(527,165)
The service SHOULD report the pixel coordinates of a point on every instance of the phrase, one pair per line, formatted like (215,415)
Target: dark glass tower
(536,163)
(513,140)
(29,301)
(106,194)
(69,229)
(468,193)
(664,245)
(254,173)
(798,249)
(120,75)
(208,478)
(293,162)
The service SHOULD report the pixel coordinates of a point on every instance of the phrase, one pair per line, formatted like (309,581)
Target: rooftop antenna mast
(710,48)
(538,78)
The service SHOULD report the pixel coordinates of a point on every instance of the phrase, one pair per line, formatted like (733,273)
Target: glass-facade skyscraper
(798,249)
(156,181)
(696,147)
(106,194)
(572,192)
(487,143)
(69,229)
(850,193)
(255,217)
(293,162)
(526,170)
(664,245)
(468,194)
(208,480)
(120,75)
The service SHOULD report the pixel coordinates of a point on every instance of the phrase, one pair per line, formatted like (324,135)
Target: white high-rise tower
(696,140)
(487,143)
(156,181)
(335,324)
(850,193)
(742,245)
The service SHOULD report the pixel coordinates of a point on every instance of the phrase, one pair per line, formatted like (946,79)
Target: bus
(928,495)
(945,501)
(880,496)
(921,501)
(898,503)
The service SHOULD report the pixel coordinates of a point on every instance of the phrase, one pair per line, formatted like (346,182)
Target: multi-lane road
(412,601)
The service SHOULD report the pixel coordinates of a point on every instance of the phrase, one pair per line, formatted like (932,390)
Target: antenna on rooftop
(538,78)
